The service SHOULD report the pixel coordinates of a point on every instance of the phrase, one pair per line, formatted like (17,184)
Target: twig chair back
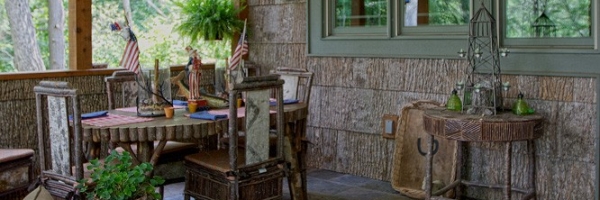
(121,85)
(297,83)
(59,139)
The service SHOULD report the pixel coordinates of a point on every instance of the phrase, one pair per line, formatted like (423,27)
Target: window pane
(360,13)
(548,18)
(432,12)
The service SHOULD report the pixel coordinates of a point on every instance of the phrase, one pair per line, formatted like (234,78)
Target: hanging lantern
(544,26)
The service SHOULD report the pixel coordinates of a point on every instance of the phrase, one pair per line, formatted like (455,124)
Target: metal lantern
(482,86)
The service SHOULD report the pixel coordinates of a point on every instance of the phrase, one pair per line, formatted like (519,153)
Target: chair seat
(242,139)
(7,155)
(217,160)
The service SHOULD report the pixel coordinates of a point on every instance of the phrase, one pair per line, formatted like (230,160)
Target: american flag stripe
(131,55)
(194,83)
(240,50)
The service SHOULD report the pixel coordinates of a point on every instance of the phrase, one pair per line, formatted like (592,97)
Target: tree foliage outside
(449,12)
(6,50)
(571,18)
(372,13)
(153,25)
(26,51)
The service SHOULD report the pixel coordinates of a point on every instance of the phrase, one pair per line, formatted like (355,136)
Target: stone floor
(326,185)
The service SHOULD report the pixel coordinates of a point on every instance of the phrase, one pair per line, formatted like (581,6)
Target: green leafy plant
(118,179)
(209,19)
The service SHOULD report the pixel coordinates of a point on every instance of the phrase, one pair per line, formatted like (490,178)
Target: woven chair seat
(7,155)
(217,160)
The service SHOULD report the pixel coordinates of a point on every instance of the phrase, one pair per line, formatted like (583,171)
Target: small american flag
(240,50)
(131,55)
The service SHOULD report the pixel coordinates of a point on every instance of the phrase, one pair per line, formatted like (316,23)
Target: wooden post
(80,34)
(155,84)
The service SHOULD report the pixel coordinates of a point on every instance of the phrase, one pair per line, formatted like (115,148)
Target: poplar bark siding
(351,94)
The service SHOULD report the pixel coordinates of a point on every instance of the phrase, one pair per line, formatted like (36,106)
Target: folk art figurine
(192,91)
(194,77)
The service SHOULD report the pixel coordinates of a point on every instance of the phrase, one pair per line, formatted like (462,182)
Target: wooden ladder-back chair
(122,86)
(59,144)
(122,91)
(249,172)
(297,83)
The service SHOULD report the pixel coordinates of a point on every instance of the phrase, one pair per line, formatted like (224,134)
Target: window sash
(351,31)
(545,42)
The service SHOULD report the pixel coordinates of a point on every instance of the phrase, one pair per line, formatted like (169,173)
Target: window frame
(581,43)
(349,31)
(530,59)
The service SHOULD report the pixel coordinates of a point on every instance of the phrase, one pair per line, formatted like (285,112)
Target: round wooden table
(185,129)
(503,127)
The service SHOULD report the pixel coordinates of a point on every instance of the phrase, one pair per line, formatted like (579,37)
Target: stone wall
(350,96)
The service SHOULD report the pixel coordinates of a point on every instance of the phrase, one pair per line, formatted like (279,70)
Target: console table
(504,127)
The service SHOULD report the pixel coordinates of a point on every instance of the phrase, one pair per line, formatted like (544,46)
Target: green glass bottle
(454,103)
(520,107)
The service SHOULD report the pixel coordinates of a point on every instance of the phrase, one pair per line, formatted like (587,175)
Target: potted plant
(118,178)
(209,19)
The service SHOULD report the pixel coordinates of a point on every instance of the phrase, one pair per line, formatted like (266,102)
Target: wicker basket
(214,184)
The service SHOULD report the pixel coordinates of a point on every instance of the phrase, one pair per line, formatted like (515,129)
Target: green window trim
(527,56)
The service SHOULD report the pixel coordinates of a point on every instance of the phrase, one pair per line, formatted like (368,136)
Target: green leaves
(117,178)
(209,19)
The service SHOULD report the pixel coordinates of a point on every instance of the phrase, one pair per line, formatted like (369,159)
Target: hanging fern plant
(209,19)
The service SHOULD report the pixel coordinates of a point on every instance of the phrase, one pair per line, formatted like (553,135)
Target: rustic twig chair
(122,90)
(249,172)
(59,144)
(297,83)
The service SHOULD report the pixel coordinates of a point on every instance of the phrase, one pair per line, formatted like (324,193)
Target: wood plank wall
(350,96)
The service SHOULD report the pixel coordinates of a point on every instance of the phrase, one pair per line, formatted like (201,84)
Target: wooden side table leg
(507,174)
(428,166)
(291,156)
(459,166)
(532,165)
